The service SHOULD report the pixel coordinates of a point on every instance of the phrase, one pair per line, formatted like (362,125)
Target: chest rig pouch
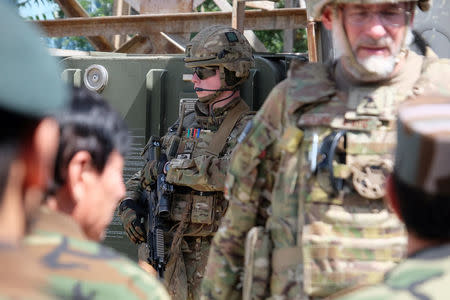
(191,186)
(349,237)
(197,172)
(206,211)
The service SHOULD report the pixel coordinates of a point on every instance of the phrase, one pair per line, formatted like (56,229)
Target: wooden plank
(148,44)
(312,45)
(100,43)
(283,18)
(267,5)
(310,9)
(288,34)
(250,35)
(137,44)
(165,6)
(238,15)
(71,9)
(161,45)
(177,40)
(161,42)
(253,40)
(120,8)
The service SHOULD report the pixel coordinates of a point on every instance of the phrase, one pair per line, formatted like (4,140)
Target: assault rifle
(160,198)
(159,205)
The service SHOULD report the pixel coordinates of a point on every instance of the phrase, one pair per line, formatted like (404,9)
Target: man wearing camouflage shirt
(193,158)
(419,193)
(88,184)
(306,184)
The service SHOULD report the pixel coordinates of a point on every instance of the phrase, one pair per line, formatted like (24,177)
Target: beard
(382,66)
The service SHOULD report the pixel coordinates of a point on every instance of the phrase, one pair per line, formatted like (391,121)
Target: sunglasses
(204,73)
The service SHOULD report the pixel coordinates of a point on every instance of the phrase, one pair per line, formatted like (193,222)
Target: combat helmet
(225,48)
(317,7)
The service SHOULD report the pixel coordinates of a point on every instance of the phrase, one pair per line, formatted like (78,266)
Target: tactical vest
(336,155)
(348,236)
(196,171)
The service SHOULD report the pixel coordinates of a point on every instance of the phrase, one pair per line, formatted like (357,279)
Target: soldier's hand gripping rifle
(158,204)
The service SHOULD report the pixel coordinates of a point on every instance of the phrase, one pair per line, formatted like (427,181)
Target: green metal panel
(146,90)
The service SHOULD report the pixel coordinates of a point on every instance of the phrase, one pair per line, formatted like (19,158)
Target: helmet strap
(211,110)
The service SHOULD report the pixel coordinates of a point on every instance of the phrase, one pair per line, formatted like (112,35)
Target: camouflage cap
(30,82)
(423,150)
(316,6)
(220,45)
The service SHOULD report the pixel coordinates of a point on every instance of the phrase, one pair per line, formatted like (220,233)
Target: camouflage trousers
(184,281)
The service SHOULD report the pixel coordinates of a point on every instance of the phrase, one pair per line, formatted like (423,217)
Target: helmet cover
(220,46)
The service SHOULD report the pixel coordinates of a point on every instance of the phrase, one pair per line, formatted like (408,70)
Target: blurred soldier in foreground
(311,170)
(179,192)
(419,193)
(87,188)
(30,90)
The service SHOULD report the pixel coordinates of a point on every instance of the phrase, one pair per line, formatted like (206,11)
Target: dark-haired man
(419,193)
(88,185)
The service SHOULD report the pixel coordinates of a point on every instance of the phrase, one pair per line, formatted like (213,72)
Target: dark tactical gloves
(131,214)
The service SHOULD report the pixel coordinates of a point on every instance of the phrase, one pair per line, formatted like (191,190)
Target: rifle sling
(220,137)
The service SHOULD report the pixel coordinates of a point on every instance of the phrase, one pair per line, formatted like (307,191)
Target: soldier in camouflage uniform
(197,150)
(419,193)
(88,184)
(305,186)
(30,91)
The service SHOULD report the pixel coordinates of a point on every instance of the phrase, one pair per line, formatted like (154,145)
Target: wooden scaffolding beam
(257,45)
(283,18)
(164,42)
(238,15)
(312,41)
(72,9)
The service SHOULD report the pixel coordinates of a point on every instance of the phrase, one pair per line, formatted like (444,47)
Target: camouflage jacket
(425,275)
(201,171)
(270,183)
(76,268)
(20,276)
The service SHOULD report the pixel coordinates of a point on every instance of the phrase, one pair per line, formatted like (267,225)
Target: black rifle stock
(158,210)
